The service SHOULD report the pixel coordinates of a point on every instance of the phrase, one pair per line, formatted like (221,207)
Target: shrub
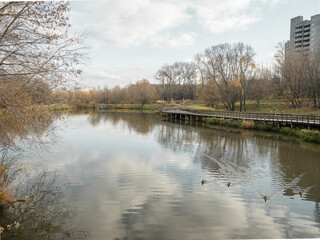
(266,126)
(233,123)
(289,131)
(211,121)
(222,121)
(309,135)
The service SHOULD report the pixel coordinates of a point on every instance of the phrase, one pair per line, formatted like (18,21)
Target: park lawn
(267,106)
(129,106)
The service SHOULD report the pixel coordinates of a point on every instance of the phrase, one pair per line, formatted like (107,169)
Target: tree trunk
(244,102)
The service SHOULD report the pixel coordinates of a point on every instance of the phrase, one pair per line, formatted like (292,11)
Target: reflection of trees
(141,123)
(27,137)
(29,132)
(235,146)
(284,159)
(258,152)
(300,160)
(179,137)
(317,213)
(44,214)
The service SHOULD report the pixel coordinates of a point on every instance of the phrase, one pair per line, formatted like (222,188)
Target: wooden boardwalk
(304,119)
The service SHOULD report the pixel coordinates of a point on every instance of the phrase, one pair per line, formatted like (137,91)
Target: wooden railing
(311,119)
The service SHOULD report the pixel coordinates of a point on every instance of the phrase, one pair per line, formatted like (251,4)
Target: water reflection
(41,211)
(135,177)
(251,151)
(143,124)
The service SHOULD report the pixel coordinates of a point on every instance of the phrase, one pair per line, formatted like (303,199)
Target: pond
(133,176)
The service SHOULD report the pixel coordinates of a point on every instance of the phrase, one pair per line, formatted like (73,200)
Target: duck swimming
(204,182)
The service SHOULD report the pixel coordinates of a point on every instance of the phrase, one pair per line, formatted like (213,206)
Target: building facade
(304,35)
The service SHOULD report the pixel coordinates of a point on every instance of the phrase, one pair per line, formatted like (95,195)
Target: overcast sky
(131,39)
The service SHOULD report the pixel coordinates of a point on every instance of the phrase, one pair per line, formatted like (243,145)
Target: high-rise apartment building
(304,34)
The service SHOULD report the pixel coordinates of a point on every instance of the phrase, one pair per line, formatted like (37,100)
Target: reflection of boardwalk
(306,119)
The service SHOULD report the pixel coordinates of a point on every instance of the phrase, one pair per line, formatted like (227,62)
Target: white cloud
(165,40)
(129,23)
(118,75)
(221,16)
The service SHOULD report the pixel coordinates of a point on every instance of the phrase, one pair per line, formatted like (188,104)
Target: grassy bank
(303,134)
(113,107)
(266,106)
(67,107)
(147,107)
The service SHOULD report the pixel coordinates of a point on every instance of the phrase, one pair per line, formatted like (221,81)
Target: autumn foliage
(5,196)
(37,55)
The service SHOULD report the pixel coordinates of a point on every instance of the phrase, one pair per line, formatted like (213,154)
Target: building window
(312,24)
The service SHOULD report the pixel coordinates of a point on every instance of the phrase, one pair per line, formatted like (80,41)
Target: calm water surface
(133,176)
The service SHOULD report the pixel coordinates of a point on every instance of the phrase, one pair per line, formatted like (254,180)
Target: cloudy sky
(131,39)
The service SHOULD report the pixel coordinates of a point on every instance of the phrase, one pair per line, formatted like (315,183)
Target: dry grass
(161,102)
(247,124)
(5,196)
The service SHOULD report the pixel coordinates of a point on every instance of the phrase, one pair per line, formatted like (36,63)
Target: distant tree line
(224,74)
(142,92)
(227,73)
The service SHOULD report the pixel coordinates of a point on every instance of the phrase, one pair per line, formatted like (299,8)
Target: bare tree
(116,95)
(187,73)
(294,74)
(201,70)
(144,92)
(208,94)
(221,65)
(261,84)
(246,69)
(278,79)
(168,80)
(36,54)
(313,75)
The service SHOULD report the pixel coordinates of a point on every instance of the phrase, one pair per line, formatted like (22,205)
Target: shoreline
(305,135)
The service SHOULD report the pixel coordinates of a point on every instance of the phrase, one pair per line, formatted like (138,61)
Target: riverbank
(305,135)
(265,106)
(146,107)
